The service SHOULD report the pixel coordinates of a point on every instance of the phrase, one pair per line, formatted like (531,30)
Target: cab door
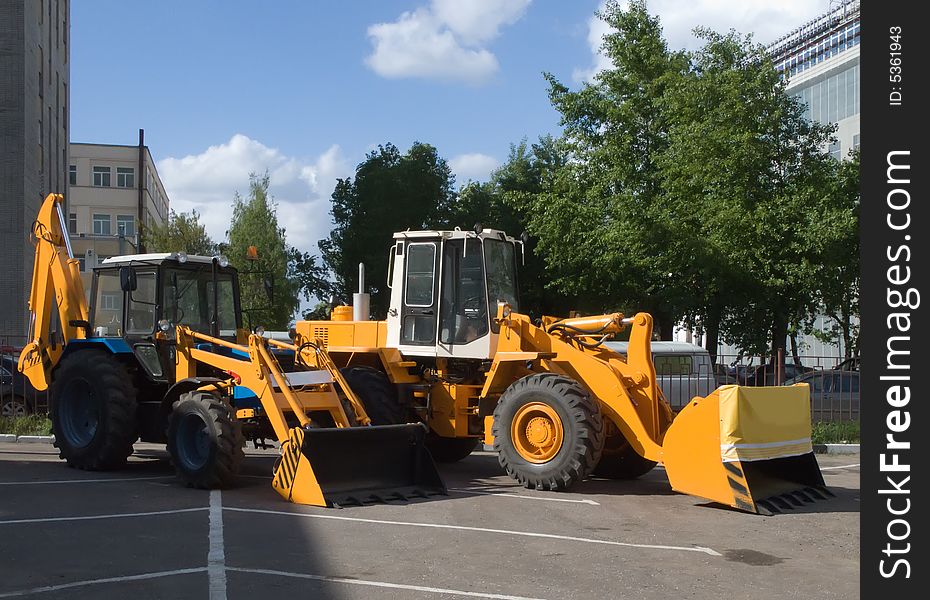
(420,298)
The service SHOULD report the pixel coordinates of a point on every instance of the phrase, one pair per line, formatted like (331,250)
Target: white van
(684,370)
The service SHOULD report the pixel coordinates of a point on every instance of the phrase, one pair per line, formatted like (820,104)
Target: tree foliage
(182,232)
(391,192)
(272,284)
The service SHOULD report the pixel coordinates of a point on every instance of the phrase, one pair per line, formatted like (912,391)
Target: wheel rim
(537,433)
(79,413)
(13,408)
(193,442)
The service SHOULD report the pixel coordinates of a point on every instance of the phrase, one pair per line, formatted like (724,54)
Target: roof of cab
(153,258)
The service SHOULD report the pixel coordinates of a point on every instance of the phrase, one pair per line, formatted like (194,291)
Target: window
(82,264)
(101,258)
(72,174)
(667,364)
(421,260)
(125,225)
(463,309)
(101,224)
(835,151)
(856,142)
(125,177)
(102,176)
(140,318)
(72,223)
(109,301)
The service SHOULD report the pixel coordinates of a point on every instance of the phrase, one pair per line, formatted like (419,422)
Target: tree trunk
(779,335)
(666,326)
(794,349)
(712,327)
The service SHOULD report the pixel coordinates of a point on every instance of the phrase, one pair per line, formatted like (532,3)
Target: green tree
(391,192)
(600,218)
(182,232)
(748,186)
(269,293)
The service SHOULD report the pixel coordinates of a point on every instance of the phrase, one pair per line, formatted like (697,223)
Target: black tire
(205,441)
(619,460)
(582,427)
(449,450)
(92,405)
(377,394)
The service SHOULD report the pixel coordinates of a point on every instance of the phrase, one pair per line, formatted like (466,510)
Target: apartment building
(113,190)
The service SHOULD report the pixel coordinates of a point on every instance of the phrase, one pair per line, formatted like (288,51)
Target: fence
(834,384)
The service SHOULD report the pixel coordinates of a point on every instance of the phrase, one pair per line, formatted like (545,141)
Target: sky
(305,89)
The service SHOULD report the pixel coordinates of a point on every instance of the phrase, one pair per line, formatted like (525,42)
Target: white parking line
(113,516)
(839,467)
(522,497)
(75,584)
(381,584)
(216,556)
(110,480)
(552,536)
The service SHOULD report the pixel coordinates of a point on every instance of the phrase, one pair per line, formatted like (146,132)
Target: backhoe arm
(56,287)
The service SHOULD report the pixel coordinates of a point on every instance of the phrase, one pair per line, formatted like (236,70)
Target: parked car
(850,364)
(766,374)
(17,396)
(683,370)
(834,394)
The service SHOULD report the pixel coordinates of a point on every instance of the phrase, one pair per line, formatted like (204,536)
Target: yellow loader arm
(56,290)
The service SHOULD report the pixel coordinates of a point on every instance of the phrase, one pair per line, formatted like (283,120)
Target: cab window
(140,318)
(108,304)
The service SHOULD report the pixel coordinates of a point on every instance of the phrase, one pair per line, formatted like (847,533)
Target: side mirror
(127,279)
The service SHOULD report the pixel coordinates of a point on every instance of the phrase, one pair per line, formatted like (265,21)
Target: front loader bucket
(356,465)
(747,447)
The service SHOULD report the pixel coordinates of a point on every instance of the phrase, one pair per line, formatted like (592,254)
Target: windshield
(189,300)
(502,274)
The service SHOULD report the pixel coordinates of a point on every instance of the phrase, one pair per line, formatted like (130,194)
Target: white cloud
(766,20)
(443,41)
(208,182)
(474,166)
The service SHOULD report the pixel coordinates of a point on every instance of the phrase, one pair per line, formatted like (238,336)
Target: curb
(836,448)
(29,439)
(7,437)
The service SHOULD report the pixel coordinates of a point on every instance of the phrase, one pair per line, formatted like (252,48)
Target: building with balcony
(820,62)
(113,190)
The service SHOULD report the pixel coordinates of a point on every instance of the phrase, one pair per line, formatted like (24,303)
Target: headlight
(182,257)
(292,333)
(222,261)
(164,325)
(260,330)
(506,310)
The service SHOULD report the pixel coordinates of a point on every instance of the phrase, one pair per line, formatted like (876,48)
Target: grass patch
(28,425)
(841,432)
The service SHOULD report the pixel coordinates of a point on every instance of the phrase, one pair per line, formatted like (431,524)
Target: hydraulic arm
(57,303)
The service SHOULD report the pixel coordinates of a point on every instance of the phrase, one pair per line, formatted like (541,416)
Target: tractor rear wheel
(619,460)
(548,431)
(447,449)
(205,441)
(377,394)
(93,410)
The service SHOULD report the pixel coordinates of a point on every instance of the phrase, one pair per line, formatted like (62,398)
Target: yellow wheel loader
(159,353)
(552,400)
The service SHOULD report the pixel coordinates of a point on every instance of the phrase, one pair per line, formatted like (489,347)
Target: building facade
(113,190)
(34,101)
(820,62)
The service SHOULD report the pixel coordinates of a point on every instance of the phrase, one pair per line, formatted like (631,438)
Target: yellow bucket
(746,447)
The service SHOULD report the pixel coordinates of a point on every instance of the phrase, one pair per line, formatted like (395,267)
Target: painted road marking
(111,480)
(552,536)
(381,584)
(216,556)
(523,497)
(113,516)
(75,584)
(839,467)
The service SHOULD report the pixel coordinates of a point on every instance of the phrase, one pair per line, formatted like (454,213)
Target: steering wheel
(473,307)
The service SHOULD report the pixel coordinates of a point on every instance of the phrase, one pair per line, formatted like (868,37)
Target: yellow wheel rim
(536,431)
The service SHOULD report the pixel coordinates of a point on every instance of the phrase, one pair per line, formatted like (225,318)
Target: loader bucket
(746,447)
(356,465)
